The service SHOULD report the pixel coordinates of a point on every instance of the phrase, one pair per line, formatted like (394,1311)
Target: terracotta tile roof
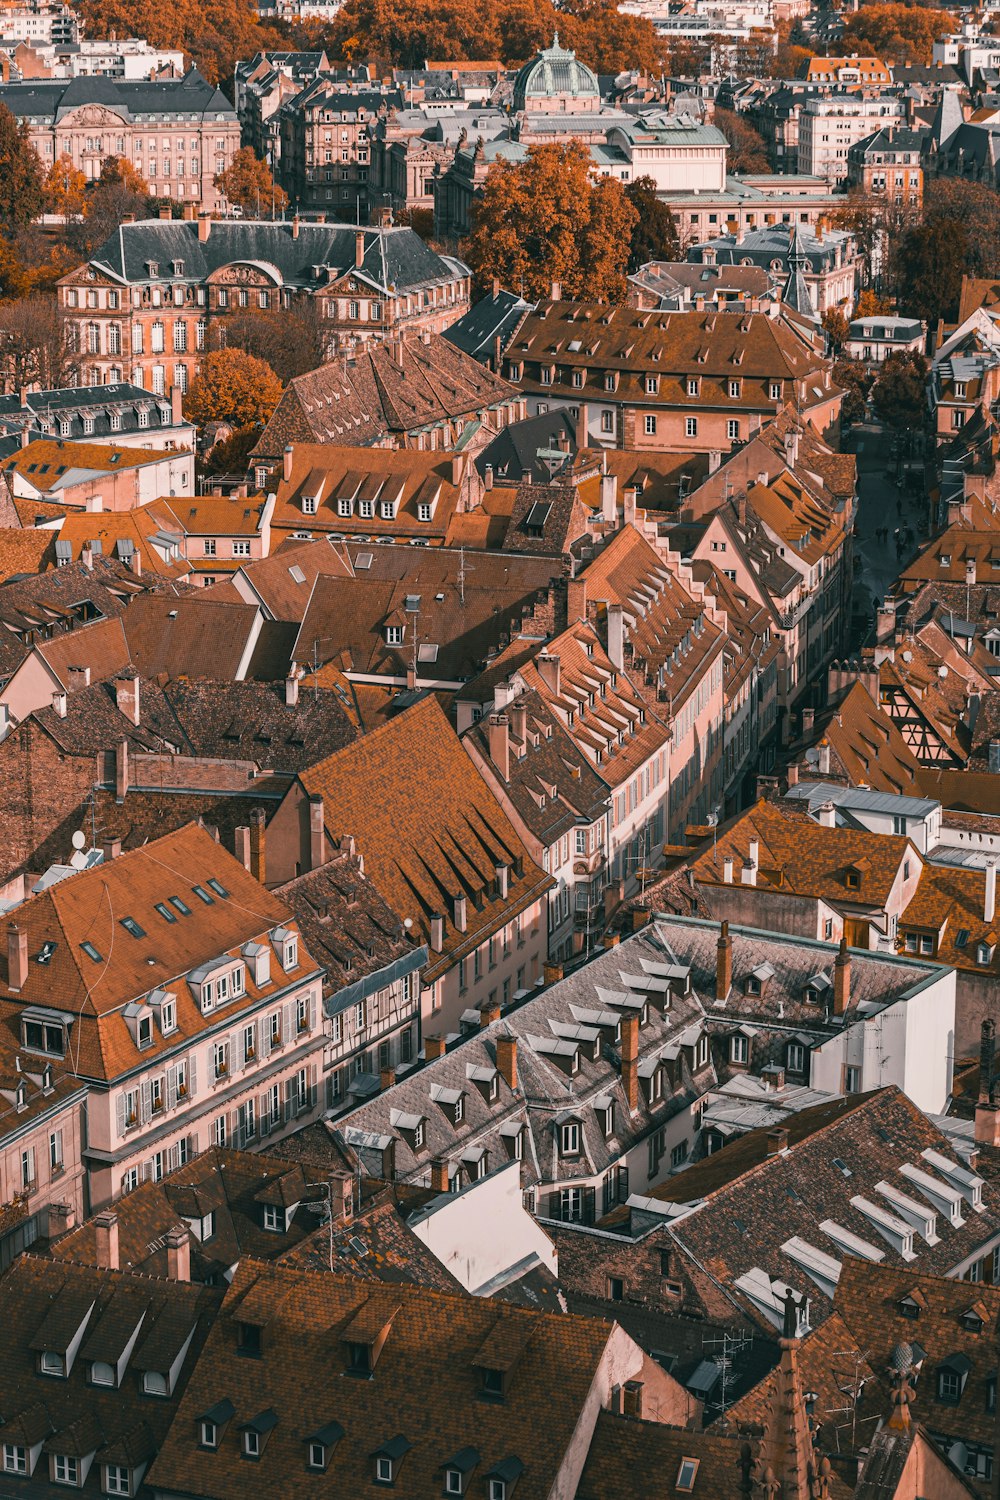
(432,1344)
(376,1245)
(282,582)
(45,462)
(971,791)
(750,644)
(88,908)
(953,1318)
(117,531)
(37,608)
(31,512)
(949,905)
(547,518)
(797,857)
(866,746)
(643,1460)
(838,1156)
(329,474)
(428,827)
(809,528)
(189,637)
(252,721)
(74,1415)
(25,551)
(461,607)
(947,558)
(213,515)
(377,395)
(101,647)
(225,1183)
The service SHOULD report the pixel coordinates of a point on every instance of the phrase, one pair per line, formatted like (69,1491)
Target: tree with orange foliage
(232,387)
(65,188)
(545,220)
(248,185)
(906,33)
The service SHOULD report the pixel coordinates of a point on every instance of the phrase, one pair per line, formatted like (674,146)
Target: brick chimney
(258,853)
(842,980)
(112,849)
(548,666)
(241,846)
(777,1140)
(106,1235)
(287,454)
(434,1047)
(359,248)
(440,1177)
(121,771)
(317,833)
(507,1060)
(295,227)
(17,956)
(437,932)
(552,973)
(489,1013)
(616,636)
(630,1061)
(204,227)
(724,964)
(386,1078)
(498,730)
(576,600)
(127,697)
(178,1242)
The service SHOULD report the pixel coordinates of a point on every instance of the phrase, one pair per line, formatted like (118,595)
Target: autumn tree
(835,326)
(654,236)
(232,454)
(871,305)
(606,40)
(232,387)
(289,342)
(120,190)
(214,33)
(544,220)
(929,266)
(65,187)
(248,185)
(747,151)
(855,381)
(21,176)
(33,344)
(906,33)
(898,394)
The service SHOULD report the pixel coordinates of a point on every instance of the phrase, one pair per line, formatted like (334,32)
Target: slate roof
(581,1013)
(516,452)
(222,1182)
(375,1246)
(49,101)
(491,321)
(43,410)
(433,1342)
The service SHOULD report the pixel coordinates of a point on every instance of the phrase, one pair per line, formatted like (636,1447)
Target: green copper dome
(552,74)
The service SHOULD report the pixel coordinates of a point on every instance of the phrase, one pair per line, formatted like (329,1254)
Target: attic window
(686,1475)
(218,888)
(984,953)
(132,927)
(203,895)
(92,952)
(179,905)
(853,880)
(165,912)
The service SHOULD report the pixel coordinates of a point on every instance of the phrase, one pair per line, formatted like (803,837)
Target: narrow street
(882,504)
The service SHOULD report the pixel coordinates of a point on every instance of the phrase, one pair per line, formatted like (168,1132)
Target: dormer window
(394,635)
(387,509)
(388,1459)
(984,954)
(309,505)
(102,1373)
(492,1384)
(569,1139)
(43,1036)
(52,1363)
(256,1433)
(321,1446)
(345,507)
(213,1423)
(144,1032)
(952,1375)
(274,1218)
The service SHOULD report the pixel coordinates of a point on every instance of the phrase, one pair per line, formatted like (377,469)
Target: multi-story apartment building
(827,259)
(325,153)
(830,124)
(178,133)
(887,165)
(261,86)
(149,300)
(130,58)
(34,21)
(180,991)
(699,382)
(439,850)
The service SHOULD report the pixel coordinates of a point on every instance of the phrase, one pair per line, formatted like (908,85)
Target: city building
(887,165)
(830,124)
(149,300)
(325,151)
(848,72)
(874,339)
(118,415)
(96,476)
(261,86)
(826,259)
(178,133)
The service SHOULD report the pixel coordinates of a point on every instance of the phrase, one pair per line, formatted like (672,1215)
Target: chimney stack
(59,702)
(576,600)
(460,911)
(824,757)
(990,896)
(258,857)
(106,1248)
(826,815)
(292,688)
(17,956)
(178,1242)
(842,980)
(499,740)
(630,1061)
(204,227)
(507,1060)
(808,722)
(359,249)
(987,1056)
(434,1047)
(437,932)
(386,1078)
(317,833)
(121,771)
(518,714)
(286,462)
(440,1177)
(112,849)
(241,846)
(723,964)
(777,1141)
(127,697)
(616,636)
(727,870)
(489,1013)
(548,665)
(295,227)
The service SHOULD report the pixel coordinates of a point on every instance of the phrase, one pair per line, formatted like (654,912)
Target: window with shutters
(275,1028)
(571,1205)
(249,1043)
(220,1059)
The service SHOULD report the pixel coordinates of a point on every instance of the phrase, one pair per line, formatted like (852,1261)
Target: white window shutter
(264,1039)
(288,1030)
(172,1088)
(146,1107)
(192,1063)
(121,1112)
(290,1096)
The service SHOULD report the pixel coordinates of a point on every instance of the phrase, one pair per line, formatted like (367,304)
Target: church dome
(555,74)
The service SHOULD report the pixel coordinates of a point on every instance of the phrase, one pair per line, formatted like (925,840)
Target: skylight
(132,927)
(92,952)
(296,574)
(203,895)
(217,887)
(842,1166)
(179,905)
(165,912)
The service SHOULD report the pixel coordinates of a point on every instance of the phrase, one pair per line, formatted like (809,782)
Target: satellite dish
(79,839)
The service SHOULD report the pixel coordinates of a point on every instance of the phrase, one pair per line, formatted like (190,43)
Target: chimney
(611,940)
(434,1047)
(241,846)
(166,214)
(258,853)
(87,556)
(824,757)
(292,687)
(548,666)
(359,249)
(616,636)
(630,1061)
(724,964)
(78,678)
(754,853)
(498,729)
(518,722)
(727,870)
(808,720)
(583,427)
(457,470)
(437,933)
(317,833)
(295,227)
(440,1177)
(178,1242)
(842,980)
(121,770)
(111,849)
(386,1078)
(106,1232)
(777,1141)
(555,291)
(17,956)
(990,897)
(488,477)
(204,227)
(502,874)
(792,775)
(460,912)
(551,973)
(176,405)
(286,463)
(127,697)
(826,815)
(59,702)
(507,1060)
(576,600)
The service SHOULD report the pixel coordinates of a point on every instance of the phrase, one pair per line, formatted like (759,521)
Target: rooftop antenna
(463,572)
